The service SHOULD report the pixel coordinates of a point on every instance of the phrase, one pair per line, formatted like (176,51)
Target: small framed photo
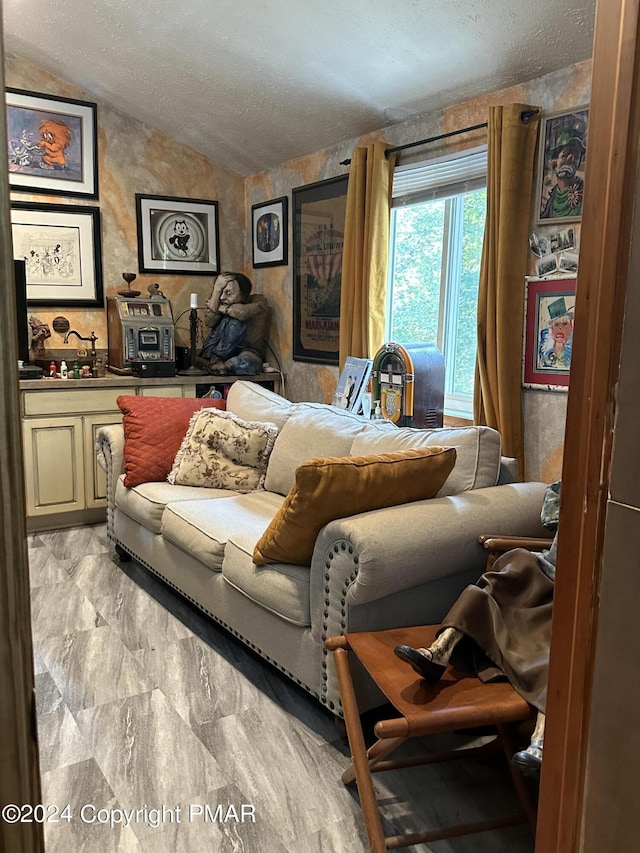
(561,166)
(177,235)
(52,144)
(269,226)
(352,383)
(61,247)
(549,332)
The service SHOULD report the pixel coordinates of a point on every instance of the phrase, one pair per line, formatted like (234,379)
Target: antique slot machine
(141,336)
(408,381)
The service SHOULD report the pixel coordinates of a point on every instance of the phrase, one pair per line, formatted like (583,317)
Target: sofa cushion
(478,449)
(313,430)
(222,451)
(253,402)
(146,502)
(283,589)
(153,430)
(336,488)
(202,527)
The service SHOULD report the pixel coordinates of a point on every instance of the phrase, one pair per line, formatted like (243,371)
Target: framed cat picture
(179,236)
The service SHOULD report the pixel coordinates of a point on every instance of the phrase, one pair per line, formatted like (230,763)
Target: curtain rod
(525,115)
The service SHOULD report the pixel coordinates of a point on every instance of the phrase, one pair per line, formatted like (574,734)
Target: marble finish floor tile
(139,619)
(38,663)
(144,701)
(91,539)
(97,575)
(45,569)
(59,741)
(221,820)
(92,667)
(202,684)
(61,608)
(85,791)
(282,776)
(159,759)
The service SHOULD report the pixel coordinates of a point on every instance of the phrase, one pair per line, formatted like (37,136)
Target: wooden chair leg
(375,753)
(506,739)
(364,781)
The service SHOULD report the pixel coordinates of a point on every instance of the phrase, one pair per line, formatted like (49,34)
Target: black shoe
(424,666)
(528,763)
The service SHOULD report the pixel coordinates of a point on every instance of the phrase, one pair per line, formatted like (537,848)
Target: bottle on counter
(64,371)
(76,370)
(377,412)
(53,370)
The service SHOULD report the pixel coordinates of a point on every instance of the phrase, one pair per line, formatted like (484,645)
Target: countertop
(111,380)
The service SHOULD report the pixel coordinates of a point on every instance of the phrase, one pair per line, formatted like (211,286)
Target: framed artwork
(318,237)
(61,248)
(549,332)
(561,166)
(270,230)
(52,144)
(177,235)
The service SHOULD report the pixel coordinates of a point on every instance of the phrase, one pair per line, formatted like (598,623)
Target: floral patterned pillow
(222,451)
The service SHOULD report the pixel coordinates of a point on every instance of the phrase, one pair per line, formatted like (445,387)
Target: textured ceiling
(254,83)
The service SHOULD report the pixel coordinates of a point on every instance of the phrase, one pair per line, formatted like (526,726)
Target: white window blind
(441,177)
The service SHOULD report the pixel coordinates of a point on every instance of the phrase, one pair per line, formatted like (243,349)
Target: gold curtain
(366,252)
(510,171)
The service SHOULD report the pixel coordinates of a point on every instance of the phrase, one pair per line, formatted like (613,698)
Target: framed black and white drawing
(52,144)
(61,247)
(177,235)
(270,237)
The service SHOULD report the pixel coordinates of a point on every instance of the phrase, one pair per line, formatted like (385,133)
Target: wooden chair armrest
(506,543)
(496,545)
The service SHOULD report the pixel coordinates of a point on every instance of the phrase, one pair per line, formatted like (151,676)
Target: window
(437,229)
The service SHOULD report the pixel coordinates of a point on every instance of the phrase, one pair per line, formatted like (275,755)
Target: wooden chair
(456,702)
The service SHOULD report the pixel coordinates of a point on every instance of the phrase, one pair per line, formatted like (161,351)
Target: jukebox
(141,336)
(409,383)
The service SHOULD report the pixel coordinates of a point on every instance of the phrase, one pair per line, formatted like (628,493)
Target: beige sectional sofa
(402,565)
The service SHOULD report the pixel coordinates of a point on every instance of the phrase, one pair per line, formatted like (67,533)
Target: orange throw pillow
(337,487)
(153,431)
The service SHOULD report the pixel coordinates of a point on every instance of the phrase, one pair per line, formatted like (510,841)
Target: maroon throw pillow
(153,431)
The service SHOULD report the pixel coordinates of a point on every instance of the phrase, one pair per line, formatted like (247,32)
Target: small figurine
(39,333)
(154,291)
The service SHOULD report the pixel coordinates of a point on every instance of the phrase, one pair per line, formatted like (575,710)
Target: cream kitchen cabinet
(65,486)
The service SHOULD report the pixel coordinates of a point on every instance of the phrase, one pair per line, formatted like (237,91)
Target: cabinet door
(54,462)
(94,477)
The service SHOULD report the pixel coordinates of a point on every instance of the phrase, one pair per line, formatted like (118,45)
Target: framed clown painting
(561,166)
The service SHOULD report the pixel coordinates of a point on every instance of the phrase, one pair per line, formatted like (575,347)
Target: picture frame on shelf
(550,307)
(62,249)
(270,233)
(562,155)
(318,216)
(52,144)
(178,236)
(352,383)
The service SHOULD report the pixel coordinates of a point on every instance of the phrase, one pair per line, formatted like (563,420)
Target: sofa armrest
(406,565)
(370,556)
(110,454)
